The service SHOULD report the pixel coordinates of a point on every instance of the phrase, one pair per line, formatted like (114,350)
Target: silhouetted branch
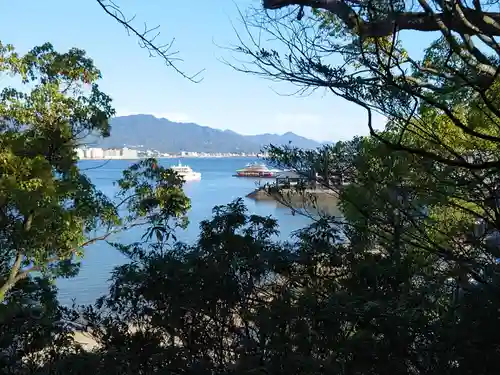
(147,39)
(469,21)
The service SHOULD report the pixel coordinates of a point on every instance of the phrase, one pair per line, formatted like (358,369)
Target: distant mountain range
(149,132)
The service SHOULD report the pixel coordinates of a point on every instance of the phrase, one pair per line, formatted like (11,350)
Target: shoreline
(170,157)
(323,200)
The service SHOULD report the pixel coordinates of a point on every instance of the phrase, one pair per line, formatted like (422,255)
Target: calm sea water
(217,186)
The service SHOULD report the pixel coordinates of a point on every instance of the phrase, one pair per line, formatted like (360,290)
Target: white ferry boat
(186,172)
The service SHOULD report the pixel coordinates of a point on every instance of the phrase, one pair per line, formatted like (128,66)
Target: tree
(413,268)
(404,283)
(238,302)
(393,287)
(49,210)
(471,21)
(181,308)
(420,213)
(375,70)
(428,184)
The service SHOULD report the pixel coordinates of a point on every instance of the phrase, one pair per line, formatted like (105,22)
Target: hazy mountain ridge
(289,137)
(164,135)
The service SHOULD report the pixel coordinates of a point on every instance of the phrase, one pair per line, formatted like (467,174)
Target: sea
(217,186)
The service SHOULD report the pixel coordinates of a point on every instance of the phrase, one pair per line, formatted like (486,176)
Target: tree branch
(487,22)
(146,40)
(12,276)
(57,258)
(16,276)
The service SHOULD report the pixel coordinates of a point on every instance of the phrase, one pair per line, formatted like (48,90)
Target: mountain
(149,132)
(287,138)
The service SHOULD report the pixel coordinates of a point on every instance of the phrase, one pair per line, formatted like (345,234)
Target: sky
(224,99)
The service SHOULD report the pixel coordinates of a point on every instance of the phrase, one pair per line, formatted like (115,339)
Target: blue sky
(225,99)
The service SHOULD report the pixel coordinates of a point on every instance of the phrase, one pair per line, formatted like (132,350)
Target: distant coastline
(126,153)
(174,157)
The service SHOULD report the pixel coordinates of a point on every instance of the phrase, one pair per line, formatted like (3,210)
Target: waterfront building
(127,153)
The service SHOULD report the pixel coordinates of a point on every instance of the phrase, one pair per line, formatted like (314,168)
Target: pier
(299,192)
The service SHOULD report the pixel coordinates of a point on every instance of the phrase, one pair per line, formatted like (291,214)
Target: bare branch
(147,39)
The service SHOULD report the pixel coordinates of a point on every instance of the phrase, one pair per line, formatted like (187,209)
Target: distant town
(125,153)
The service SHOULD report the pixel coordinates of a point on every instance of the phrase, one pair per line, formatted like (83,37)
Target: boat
(258,170)
(186,172)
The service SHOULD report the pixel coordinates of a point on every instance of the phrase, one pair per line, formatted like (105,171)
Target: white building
(127,153)
(87,153)
(112,153)
(94,153)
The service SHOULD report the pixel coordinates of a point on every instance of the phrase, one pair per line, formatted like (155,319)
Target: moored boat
(257,170)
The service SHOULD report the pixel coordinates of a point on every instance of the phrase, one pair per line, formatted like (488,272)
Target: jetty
(299,192)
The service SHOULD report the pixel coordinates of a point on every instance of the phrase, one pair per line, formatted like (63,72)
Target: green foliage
(41,186)
(421,244)
(400,285)
(49,209)
(405,282)
(237,302)
(30,327)
(181,302)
